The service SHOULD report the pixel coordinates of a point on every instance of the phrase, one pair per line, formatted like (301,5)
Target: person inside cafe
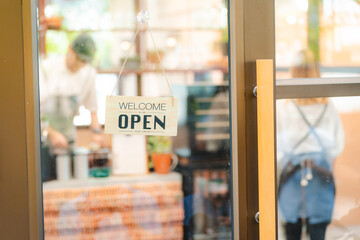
(66,83)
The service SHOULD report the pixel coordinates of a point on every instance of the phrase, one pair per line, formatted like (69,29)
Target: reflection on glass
(98,186)
(318,168)
(329,28)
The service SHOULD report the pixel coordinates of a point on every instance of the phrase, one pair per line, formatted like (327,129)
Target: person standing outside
(66,83)
(310,137)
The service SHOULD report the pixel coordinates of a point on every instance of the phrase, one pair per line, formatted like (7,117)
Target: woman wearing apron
(310,137)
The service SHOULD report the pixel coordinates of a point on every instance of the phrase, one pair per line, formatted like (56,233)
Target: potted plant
(159,149)
(54,22)
(53,17)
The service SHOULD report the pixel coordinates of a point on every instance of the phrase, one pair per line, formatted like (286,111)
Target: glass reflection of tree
(313,27)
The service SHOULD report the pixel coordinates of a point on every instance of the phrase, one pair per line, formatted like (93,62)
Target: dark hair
(84,47)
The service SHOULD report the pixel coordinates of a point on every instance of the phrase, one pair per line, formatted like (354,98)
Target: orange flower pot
(164,162)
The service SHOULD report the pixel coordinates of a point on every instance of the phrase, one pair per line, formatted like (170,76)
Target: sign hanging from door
(141,115)
(134,115)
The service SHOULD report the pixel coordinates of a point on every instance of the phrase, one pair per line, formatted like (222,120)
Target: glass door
(99,186)
(303,191)
(69,181)
(317,107)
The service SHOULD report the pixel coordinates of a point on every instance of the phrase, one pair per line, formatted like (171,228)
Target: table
(148,207)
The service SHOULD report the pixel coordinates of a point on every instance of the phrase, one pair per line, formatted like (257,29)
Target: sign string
(127,56)
(144,20)
(160,62)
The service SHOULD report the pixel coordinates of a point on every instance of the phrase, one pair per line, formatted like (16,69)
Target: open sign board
(141,115)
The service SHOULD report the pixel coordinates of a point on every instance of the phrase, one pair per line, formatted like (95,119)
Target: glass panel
(319,34)
(318,169)
(100,186)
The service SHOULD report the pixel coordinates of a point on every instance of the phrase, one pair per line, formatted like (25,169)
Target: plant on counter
(159,148)
(159,144)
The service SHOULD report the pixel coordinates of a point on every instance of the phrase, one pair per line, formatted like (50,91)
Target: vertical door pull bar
(266,148)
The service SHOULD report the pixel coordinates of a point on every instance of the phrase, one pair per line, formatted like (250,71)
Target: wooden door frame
(20,175)
(251,23)
(252,37)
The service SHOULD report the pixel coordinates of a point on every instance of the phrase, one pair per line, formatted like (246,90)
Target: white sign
(141,115)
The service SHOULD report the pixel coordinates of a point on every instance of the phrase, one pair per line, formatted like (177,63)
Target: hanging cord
(157,53)
(160,62)
(127,56)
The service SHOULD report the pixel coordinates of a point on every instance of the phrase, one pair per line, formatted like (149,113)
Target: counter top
(112,180)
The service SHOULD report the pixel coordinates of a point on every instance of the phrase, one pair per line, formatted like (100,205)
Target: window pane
(98,186)
(320,35)
(318,170)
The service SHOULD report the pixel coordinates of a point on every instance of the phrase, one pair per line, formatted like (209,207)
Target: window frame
(317,87)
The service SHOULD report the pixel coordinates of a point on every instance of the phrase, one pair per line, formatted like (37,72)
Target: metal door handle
(257,219)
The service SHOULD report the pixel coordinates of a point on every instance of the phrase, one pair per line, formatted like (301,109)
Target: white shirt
(291,128)
(56,80)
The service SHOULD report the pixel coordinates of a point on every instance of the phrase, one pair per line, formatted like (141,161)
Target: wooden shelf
(205,112)
(139,71)
(43,28)
(212,136)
